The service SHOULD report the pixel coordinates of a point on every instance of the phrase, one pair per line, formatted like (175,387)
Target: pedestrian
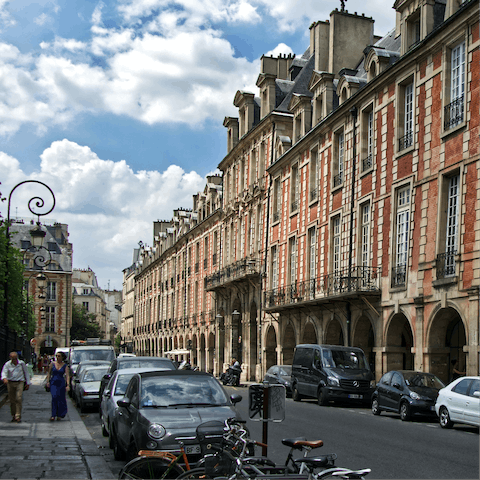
(456,373)
(46,363)
(15,376)
(34,361)
(40,364)
(58,379)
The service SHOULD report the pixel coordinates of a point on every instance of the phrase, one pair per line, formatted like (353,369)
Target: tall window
(277,199)
(336,244)
(51,291)
(85,305)
(339,165)
(311,254)
(251,226)
(313,175)
(454,112)
(274,268)
(293,260)
(401,237)
(258,233)
(50,319)
(367,160)
(253,166)
(214,247)
(365,250)
(295,189)
(407,139)
(241,227)
(452,226)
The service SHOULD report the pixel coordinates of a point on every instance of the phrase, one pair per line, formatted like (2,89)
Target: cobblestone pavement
(37,448)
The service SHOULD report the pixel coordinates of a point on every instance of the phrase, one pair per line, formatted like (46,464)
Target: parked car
(113,392)
(82,366)
(459,402)
(331,372)
(89,386)
(280,375)
(135,362)
(158,407)
(407,392)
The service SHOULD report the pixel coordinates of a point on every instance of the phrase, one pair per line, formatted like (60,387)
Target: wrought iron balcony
(294,206)
(276,216)
(405,141)
(237,271)
(446,264)
(453,114)
(354,281)
(313,194)
(338,180)
(399,276)
(367,163)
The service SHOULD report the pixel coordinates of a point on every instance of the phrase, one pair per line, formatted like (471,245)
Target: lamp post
(238,337)
(34,204)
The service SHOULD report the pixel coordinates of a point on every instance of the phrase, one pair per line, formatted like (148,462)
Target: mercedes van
(331,373)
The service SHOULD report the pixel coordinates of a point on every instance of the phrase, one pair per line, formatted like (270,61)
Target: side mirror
(397,386)
(124,402)
(235,398)
(106,393)
(107,376)
(476,393)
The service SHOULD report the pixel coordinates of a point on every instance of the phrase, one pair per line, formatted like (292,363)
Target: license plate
(355,395)
(192,449)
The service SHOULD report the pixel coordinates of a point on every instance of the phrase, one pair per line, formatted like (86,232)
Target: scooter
(231,376)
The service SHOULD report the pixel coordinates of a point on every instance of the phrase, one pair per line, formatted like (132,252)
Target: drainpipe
(267,221)
(353,111)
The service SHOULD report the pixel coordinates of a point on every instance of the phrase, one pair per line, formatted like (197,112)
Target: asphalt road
(419,449)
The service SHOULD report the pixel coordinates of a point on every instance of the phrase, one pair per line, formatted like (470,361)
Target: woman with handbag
(58,381)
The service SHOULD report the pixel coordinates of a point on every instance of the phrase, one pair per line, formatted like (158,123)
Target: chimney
(319,44)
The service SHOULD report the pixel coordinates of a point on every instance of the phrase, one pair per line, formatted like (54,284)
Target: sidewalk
(37,448)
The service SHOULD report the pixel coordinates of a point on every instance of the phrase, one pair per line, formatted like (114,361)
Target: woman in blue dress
(58,379)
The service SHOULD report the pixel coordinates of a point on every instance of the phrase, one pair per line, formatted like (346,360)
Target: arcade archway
(399,343)
(270,347)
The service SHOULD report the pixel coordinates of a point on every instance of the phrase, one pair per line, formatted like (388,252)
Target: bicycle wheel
(194,473)
(150,468)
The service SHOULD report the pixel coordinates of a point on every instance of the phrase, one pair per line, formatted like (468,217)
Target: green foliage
(84,324)
(117,342)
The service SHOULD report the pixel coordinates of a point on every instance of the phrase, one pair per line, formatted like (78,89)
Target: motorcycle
(231,376)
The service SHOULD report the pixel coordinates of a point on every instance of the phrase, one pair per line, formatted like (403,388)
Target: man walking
(15,376)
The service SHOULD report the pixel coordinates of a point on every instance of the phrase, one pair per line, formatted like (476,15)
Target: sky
(118,105)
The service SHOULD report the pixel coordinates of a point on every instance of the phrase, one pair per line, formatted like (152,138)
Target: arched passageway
(253,341)
(270,347)
(363,337)
(211,353)
(446,340)
(399,344)
(309,334)
(334,333)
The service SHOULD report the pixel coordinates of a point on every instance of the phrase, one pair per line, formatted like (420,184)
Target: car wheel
(118,452)
(296,395)
(405,411)
(375,408)
(444,418)
(322,397)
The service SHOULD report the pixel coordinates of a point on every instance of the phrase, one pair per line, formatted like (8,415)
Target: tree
(84,324)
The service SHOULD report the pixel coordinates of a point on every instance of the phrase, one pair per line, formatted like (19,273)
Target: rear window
(153,363)
(94,375)
(93,354)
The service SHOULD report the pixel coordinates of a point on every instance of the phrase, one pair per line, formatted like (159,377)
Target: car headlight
(155,430)
(333,381)
(415,395)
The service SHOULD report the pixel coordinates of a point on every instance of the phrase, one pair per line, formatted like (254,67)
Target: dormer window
(344,95)
(413,29)
(372,70)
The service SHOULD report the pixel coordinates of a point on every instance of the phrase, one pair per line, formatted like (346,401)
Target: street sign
(266,402)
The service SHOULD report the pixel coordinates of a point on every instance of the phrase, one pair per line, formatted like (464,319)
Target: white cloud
(280,49)
(107,205)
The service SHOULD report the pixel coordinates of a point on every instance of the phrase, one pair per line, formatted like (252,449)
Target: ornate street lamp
(238,338)
(35,204)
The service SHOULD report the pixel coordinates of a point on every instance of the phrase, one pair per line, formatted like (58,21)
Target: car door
(394,391)
(382,387)
(457,399)
(124,414)
(472,404)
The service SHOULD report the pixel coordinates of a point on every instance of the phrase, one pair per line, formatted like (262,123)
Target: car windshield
(82,355)
(94,375)
(168,391)
(122,383)
(285,371)
(347,359)
(153,363)
(419,379)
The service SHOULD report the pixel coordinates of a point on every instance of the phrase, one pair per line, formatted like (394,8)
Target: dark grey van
(331,372)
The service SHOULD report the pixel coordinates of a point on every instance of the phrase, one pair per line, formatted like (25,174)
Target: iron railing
(446,264)
(337,180)
(399,276)
(235,271)
(313,194)
(405,141)
(367,163)
(354,280)
(454,113)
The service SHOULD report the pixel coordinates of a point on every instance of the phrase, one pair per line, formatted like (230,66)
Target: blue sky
(118,105)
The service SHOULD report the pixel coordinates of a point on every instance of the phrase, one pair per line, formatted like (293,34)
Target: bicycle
(157,464)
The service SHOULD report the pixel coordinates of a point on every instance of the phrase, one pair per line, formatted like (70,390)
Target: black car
(120,363)
(160,406)
(280,375)
(406,392)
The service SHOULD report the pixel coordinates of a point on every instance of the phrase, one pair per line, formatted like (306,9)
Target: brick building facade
(349,210)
